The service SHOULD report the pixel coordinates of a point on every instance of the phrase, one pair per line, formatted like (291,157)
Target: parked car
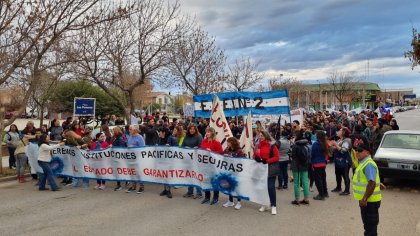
(398,155)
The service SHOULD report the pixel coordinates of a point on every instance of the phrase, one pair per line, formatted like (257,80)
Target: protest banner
(188,110)
(240,103)
(239,177)
(219,123)
(247,137)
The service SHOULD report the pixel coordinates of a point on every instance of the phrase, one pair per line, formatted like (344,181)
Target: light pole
(320,96)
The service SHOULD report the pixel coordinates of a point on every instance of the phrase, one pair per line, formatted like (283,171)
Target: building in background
(397,96)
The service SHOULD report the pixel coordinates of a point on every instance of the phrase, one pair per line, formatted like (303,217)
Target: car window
(409,141)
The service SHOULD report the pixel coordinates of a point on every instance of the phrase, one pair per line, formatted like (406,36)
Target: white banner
(219,123)
(247,138)
(239,177)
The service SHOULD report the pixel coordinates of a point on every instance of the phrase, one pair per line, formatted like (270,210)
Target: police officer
(367,189)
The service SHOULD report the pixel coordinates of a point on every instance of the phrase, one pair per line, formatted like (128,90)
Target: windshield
(408,141)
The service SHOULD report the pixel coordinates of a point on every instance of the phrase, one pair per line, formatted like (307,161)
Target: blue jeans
(76,182)
(191,190)
(48,174)
(283,177)
(271,184)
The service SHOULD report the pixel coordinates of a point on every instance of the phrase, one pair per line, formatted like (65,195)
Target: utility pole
(320,96)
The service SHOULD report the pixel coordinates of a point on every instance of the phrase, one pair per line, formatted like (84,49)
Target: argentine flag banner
(241,103)
(240,177)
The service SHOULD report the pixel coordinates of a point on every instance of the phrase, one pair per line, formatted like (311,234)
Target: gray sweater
(194,141)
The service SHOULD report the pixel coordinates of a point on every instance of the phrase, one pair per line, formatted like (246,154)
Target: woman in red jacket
(262,154)
(210,143)
(99,144)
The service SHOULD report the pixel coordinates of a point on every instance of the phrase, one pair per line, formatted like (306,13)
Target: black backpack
(303,155)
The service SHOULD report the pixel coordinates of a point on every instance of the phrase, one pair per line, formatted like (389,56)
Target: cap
(362,147)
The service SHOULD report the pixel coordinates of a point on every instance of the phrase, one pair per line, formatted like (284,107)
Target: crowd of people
(304,148)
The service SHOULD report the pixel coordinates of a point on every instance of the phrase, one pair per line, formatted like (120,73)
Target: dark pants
(12,159)
(283,177)
(311,176)
(342,173)
(100,181)
(271,183)
(321,181)
(48,174)
(370,218)
(215,195)
(231,199)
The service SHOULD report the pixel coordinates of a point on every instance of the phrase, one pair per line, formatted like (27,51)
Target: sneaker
(336,190)
(273,210)
(97,186)
(129,190)
(344,193)
(57,189)
(188,195)
(118,188)
(198,196)
(304,202)
(319,197)
(141,190)
(295,202)
(238,206)
(215,201)
(169,194)
(262,209)
(206,200)
(102,187)
(229,204)
(284,186)
(326,195)
(163,193)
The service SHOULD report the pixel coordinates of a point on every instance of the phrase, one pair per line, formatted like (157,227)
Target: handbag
(274,169)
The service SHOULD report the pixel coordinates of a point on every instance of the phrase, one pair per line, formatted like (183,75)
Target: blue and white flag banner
(239,177)
(240,103)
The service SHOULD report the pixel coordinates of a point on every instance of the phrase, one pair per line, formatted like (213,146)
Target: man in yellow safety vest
(367,189)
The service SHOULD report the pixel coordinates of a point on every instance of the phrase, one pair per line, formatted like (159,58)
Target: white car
(399,154)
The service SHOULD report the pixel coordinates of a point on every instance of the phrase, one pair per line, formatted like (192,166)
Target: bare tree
(414,55)
(137,45)
(243,75)
(343,86)
(196,63)
(292,85)
(28,32)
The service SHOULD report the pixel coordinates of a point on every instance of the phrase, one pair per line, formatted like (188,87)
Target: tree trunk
(1,141)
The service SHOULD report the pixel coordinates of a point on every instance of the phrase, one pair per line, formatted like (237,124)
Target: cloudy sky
(309,40)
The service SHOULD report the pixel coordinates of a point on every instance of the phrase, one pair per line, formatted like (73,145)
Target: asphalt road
(26,211)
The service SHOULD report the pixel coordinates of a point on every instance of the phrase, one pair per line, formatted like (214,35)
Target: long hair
(10,128)
(234,143)
(42,139)
(212,131)
(266,135)
(179,131)
(188,130)
(322,139)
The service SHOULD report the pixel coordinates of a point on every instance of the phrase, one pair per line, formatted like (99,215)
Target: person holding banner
(117,140)
(268,153)
(210,143)
(135,139)
(192,139)
(44,158)
(99,144)
(166,139)
(233,150)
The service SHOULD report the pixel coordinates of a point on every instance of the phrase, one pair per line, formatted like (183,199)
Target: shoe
(198,196)
(97,186)
(295,202)
(163,193)
(262,208)
(336,190)
(102,187)
(304,202)
(326,195)
(279,188)
(205,200)
(118,188)
(215,201)
(129,190)
(141,190)
(169,194)
(284,186)
(238,206)
(273,210)
(344,193)
(44,189)
(319,197)
(57,189)
(188,195)
(229,204)
(63,181)
(68,183)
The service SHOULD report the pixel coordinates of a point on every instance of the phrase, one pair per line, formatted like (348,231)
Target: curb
(12,178)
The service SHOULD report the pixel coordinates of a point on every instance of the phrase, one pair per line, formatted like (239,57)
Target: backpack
(303,155)
(277,144)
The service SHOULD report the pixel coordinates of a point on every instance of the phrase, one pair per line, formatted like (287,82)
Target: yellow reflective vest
(360,182)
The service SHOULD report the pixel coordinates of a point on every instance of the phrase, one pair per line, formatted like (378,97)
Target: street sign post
(84,106)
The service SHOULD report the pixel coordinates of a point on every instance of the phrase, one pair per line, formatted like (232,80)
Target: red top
(80,131)
(104,145)
(214,146)
(263,151)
